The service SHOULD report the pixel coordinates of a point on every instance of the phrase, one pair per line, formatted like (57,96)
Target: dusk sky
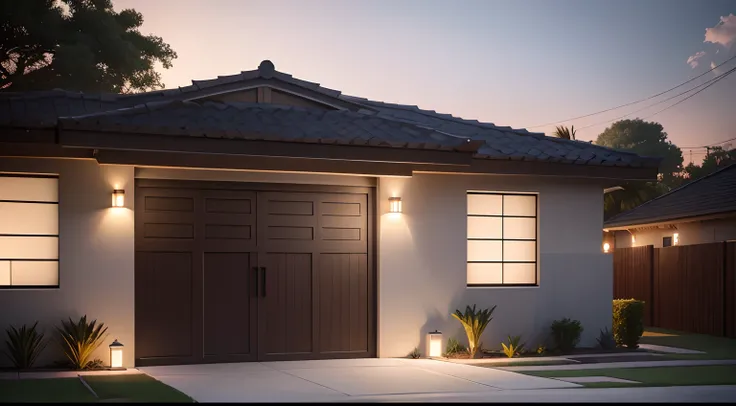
(519,63)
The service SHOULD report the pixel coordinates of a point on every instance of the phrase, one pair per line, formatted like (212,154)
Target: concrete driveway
(381,379)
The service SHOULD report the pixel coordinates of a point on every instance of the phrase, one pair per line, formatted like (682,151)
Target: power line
(707,84)
(638,101)
(711,145)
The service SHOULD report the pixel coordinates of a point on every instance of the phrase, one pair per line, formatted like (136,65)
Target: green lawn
(667,376)
(124,388)
(715,347)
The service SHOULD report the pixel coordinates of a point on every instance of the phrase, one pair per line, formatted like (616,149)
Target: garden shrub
(566,334)
(628,321)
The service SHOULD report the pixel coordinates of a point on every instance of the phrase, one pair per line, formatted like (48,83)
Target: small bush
(454,347)
(541,349)
(605,340)
(513,348)
(24,345)
(414,354)
(79,340)
(475,322)
(628,321)
(566,334)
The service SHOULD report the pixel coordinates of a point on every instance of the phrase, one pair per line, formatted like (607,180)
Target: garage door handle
(263,281)
(255,278)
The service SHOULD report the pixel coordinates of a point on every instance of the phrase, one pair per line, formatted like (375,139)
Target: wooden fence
(687,288)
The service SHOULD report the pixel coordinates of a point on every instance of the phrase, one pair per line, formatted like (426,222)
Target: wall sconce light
(118,198)
(633,240)
(606,247)
(394,205)
(116,355)
(675,238)
(434,344)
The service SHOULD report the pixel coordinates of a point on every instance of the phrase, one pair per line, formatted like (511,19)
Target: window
(502,239)
(29,231)
(666,241)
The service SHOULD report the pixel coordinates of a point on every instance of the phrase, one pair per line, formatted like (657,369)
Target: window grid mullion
(503,267)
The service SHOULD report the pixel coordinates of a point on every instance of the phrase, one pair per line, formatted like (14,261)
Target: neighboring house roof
(358,120)
(709,195)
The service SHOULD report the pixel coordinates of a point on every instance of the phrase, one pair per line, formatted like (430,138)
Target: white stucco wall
(96,256)
(689,233)
(422,263)
(421,256)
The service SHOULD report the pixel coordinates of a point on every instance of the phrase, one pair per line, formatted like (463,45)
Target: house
(700,212)
(262,217)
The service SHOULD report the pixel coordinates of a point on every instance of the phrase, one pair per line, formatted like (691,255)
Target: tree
(564,132)
(715,159)
(646,139)
(79,45)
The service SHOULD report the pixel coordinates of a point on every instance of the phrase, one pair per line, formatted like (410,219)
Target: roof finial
(266,68)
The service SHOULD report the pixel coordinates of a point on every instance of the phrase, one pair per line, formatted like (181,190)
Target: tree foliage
(715,159)
(647,139)
(564,132)
(81,45)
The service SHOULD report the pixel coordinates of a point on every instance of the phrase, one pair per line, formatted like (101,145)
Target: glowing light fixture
(633,240)
(606,247)
(116,354)
(394,205)
(675,238)
(434,344)
(118,198)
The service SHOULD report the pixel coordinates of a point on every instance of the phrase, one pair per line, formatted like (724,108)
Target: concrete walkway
(610,365)
(341,380)
(674,394)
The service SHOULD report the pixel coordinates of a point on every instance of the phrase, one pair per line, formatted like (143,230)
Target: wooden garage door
(229,272)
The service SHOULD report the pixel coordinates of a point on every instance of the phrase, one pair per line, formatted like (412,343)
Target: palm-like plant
(564,132)
(79,340)
(474,322)
(24,345)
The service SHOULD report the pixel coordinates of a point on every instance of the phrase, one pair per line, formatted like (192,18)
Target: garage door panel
(167,217)
(229,232)
(343,303)
(163,305)
(228,305)
(289,221)
(285,311)
(231,204)
(165,244)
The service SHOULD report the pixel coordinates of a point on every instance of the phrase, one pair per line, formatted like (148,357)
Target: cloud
(693,59)
(724,33)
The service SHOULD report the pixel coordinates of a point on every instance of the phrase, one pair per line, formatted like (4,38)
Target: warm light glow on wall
(606,247)
(394,205)
(675,239)
(118,198)
(633,240)
(434,344)
(116,354)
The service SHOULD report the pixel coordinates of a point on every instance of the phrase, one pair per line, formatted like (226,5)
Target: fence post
(652,259)
(724,300)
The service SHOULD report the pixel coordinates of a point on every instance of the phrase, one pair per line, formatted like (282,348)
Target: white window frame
(502,239)
(12,260)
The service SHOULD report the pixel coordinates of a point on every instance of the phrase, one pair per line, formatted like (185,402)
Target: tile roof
(429,128)
(712,194)
(268,122)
